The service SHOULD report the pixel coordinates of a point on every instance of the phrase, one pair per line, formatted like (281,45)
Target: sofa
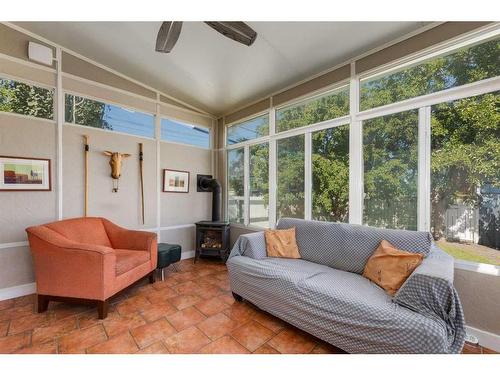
(88,259)
(325,294)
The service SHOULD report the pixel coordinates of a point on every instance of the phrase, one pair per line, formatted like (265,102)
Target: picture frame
(18,173)
(175,181)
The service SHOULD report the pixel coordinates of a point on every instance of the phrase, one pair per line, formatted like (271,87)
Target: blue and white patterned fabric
(344,308)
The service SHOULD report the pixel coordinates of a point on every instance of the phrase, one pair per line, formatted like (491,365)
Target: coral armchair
(88,259)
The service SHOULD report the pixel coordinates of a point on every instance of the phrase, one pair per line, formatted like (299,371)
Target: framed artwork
(175,181)
(24,174)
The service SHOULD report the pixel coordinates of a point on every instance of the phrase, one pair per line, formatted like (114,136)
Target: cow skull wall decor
(115,161)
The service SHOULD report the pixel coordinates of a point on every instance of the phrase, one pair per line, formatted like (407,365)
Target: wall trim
(486,339)
(9,245)
(17,291)
(171,227)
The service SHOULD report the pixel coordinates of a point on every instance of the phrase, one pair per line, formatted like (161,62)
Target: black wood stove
(212,237)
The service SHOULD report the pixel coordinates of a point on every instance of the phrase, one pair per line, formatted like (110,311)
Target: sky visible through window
(179,132)
(129,121)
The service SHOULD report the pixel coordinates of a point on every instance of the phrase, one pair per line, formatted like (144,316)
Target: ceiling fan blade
(167,36)
(238,31)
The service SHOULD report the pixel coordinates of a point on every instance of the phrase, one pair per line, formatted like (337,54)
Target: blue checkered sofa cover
(325,295)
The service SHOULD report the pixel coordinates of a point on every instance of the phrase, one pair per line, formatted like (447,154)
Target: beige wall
(185,236)
(480,296)
(20,267)
(19,209)
(123,207)
(185,208)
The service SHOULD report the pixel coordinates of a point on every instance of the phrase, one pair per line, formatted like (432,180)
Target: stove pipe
(213,185)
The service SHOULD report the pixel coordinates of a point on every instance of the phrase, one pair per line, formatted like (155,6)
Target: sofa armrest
(429,291)
(69,269)
(251,245)
(122,238)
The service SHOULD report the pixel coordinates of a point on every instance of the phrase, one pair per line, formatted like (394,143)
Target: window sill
(487,269)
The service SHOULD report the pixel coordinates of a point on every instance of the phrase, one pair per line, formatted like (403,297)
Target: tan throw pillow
(389,267)
(281,243)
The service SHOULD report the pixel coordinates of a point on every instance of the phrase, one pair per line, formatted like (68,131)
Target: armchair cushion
(129,259)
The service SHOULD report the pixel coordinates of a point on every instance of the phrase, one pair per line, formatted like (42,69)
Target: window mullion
(308,176)
(424,169)
(355,153)
(246,185)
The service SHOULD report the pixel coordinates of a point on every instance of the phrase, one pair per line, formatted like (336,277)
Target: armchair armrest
(429,291)
(122,238)
(252,245)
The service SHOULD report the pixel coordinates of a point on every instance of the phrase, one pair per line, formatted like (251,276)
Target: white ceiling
(212,72)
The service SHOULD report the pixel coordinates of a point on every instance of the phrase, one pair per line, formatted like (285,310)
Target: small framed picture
(24,174)
(175,181)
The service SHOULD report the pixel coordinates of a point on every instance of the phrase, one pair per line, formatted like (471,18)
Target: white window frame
(355,121)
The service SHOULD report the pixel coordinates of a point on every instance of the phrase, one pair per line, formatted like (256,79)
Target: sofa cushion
(389,267)
(281,243)
(127,260)
(88,230)
(347,247)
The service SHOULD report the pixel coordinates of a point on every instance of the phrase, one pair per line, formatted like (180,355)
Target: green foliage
(465,66)
(25,99)
(86,112)
(316,110)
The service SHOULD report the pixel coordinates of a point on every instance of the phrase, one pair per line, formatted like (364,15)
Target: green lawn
(460,252)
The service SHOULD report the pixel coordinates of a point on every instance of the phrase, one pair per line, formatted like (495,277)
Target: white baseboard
(17,291)
(187,254)
(486,339)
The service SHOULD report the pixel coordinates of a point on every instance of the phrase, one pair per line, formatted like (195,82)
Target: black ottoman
(167,254)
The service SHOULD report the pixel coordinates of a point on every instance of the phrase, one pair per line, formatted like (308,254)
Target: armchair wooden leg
(102,309)
(152,277)
(42,303)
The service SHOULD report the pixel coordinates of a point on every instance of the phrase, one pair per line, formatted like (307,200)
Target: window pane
(390,171)
(330,174)
(459,68)
(311,111)
(179,132)
(88,112)
(259,185)
(18,97)
(250,129)
(236,199)
(290,169)
(465,178)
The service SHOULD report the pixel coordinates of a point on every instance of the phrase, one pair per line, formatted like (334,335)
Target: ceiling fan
(170,31)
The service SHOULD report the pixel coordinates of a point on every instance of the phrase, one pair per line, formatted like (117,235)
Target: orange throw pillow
(281,243)
(389,267)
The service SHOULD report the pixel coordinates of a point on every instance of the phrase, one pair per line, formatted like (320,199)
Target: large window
(465,178)
(236,183)
(390,171)
(326,107)
(290,178)
(330,174)
(259,185)
(467,65)
(247,130)
(24,99)
(179,132)
(88,112)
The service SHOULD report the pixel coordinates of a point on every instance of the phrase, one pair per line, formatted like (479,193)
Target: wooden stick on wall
(141,170)
(86,150)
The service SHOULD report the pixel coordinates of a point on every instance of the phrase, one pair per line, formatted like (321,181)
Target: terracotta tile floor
(192,311)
